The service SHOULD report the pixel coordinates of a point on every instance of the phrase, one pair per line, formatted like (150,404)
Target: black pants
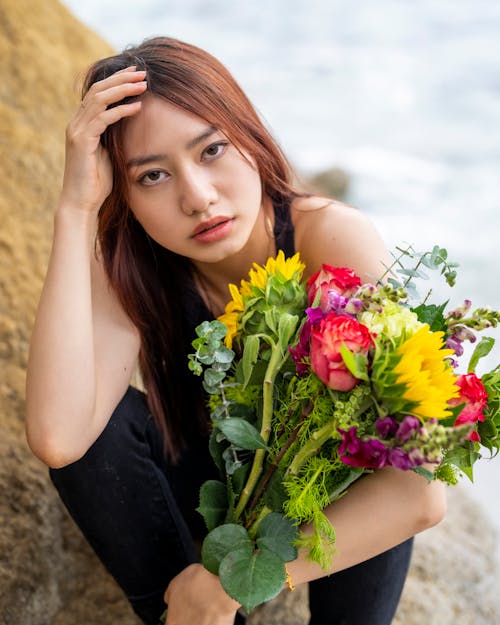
(138,513)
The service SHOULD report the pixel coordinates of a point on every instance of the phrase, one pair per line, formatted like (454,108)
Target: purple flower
(370,454)
(406,428)
(400,459)
(300,353)
(464,334)
(336,302)
(354,306)
(415,457)
(455,343)
(386,426)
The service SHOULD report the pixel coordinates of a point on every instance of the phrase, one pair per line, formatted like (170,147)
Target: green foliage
(321,542)
(221,541)
(211,353)
(425,473)
(275,436)
(408,266)
(213,503)
(446,473)
(252,577)
(278,534)
(241,433)
(482,349)
(463,458)
(432,315)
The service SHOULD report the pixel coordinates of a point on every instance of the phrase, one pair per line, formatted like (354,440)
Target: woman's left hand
(196,596)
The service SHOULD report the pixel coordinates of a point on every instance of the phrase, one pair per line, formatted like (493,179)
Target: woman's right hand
(87,172)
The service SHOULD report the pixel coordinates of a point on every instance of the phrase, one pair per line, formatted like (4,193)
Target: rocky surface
(48,575)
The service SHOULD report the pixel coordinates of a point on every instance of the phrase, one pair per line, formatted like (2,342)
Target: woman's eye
(215,150)
(152,177)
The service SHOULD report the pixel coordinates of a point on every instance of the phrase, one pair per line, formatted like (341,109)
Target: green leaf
(223,355)
(213,377)
(483,348)
(252,578)
(463,458)
(431,314)
(278,534)
(221,541)
(250,355)
(429,476)
(241,433)
(286,328)
(275,494)
(340,487)
(213,503)
(356,363)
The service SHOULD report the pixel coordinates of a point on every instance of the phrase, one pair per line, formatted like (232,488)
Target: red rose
(326,340)
(340,279)
(474,399)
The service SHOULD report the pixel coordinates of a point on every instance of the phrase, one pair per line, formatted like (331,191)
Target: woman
(172,188)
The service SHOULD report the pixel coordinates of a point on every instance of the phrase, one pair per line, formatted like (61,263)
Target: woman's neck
(212,279)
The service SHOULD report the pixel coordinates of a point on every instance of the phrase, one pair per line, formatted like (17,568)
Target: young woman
(172,188)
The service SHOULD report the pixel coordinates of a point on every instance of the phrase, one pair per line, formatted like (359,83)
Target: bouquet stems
(275,363)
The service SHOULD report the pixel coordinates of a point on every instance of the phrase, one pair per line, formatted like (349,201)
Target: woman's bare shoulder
(330,231)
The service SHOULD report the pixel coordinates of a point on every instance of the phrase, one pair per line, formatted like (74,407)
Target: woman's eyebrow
(149,158)
(208,132)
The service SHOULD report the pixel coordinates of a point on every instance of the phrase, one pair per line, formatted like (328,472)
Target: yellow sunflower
(428,378)
(289,268)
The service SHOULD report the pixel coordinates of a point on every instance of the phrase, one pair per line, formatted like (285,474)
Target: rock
(45,566)
(333,182)
(48,575)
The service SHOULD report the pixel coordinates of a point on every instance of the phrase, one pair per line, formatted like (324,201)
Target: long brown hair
(147,278)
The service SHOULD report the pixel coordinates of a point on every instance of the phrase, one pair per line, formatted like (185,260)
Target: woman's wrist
(68,216)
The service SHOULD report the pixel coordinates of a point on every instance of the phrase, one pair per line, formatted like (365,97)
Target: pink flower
(327,338)
(474,399)
(340,279)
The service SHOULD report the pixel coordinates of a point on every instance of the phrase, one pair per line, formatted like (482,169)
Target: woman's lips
(213,229)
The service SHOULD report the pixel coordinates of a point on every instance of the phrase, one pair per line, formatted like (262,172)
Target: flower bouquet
(311,385)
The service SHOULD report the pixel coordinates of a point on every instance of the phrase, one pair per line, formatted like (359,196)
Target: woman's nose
(197,192)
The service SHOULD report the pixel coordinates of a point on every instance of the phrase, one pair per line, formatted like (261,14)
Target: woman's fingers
(133,84)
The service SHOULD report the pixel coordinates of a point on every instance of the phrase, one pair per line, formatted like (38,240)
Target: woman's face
(190,188)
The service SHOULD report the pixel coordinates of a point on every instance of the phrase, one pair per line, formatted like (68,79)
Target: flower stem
(275,362)
(252,530)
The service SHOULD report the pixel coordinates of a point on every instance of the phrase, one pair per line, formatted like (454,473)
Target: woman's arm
(83,346)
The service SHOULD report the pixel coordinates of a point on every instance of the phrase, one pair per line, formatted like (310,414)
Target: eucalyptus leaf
(221,541)
(213,503)
(213,377)
(252,577)
(216,449)
(241,433)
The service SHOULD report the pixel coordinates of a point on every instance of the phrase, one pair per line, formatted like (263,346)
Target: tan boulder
(48,575)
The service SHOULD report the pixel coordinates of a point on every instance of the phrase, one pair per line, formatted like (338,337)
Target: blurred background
(403,96)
